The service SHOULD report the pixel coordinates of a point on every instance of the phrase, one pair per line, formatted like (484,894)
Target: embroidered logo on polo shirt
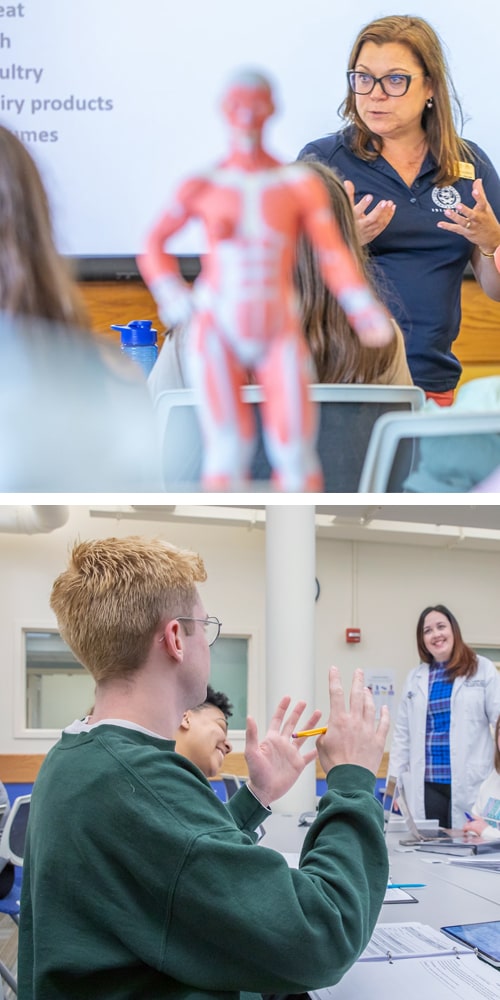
(445,197)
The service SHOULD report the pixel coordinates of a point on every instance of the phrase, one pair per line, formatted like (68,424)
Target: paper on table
(408,940)
(446,978)
(484,863)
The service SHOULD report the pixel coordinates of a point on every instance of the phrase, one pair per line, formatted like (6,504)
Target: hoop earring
(429,102)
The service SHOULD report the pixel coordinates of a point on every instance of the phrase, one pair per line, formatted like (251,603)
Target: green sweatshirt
(140,883)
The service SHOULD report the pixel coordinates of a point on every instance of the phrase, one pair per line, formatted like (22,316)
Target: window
(57,689)
(491,652)
(228,673)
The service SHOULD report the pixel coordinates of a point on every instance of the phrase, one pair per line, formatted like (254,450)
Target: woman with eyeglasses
(427,201)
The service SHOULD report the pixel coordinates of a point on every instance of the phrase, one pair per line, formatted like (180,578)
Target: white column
(290,625)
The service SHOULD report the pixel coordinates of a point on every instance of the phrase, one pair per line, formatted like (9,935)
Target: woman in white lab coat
(442,735)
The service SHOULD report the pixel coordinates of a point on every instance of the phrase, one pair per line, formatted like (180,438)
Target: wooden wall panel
(119,302)
(477,346)
(20,768)
(479,338)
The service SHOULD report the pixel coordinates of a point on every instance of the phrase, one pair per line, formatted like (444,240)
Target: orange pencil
(309,732)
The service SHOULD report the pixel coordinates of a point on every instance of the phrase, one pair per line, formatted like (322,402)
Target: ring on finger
(467,224)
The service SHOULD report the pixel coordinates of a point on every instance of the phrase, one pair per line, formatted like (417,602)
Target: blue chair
(12,842)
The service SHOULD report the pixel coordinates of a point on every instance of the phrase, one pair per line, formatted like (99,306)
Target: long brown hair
(438,121)
(34,278)
(463,662)
(337,352)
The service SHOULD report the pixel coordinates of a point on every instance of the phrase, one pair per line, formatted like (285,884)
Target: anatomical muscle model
(241,310)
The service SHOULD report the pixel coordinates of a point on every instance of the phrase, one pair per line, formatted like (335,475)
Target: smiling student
(427,201)
(202,734)
(442,734)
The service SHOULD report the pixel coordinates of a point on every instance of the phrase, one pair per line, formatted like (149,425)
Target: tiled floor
(8,949)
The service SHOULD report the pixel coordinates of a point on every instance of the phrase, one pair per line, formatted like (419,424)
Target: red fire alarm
(353,635)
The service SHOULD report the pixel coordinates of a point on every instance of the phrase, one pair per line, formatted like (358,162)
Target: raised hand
(276,762)
(353,736)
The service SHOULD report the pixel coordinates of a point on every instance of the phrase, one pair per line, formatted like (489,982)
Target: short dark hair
(219,699)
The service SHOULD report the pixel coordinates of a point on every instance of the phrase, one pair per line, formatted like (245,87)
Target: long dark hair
(338,354)
(463,661)
(35,280)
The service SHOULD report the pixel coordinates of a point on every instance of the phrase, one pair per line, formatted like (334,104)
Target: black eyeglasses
(212,626)
(392,84)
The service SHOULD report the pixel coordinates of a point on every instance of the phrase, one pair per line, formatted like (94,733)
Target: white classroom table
(451,894)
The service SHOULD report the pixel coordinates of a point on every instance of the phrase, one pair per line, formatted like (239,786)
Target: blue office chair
(231,784)
(4,805)
(12,842)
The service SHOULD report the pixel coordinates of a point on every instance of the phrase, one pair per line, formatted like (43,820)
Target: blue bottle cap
(138,333)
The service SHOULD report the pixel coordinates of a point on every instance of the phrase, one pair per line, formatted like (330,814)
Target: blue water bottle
(138,340)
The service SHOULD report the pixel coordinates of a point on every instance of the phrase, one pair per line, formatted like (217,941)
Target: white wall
(380,588)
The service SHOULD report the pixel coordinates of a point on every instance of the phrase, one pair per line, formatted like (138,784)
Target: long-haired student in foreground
(75,415)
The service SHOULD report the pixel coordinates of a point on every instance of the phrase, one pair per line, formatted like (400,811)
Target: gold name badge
(465,170)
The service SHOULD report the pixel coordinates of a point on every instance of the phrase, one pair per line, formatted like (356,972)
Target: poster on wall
(382,687)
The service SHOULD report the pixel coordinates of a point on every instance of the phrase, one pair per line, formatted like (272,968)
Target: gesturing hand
(372,224)
(479,225)
(276,762)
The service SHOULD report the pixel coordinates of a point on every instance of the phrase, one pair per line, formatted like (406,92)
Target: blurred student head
(202,734)
(75,415)
(337,351)
(34,277)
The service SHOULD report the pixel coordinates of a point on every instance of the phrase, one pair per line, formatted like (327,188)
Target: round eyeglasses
(211,625)
(392,84)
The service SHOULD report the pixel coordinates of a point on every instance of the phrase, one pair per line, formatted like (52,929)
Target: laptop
(447,841)
(394,791)
(417,836)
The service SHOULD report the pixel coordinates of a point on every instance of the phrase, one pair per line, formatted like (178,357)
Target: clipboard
(399,896)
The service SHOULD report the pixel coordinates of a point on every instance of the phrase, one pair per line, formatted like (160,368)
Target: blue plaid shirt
(437,733)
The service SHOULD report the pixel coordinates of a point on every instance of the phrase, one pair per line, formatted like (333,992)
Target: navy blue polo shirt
(419,268)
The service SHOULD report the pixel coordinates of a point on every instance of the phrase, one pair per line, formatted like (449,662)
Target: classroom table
(450,894)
